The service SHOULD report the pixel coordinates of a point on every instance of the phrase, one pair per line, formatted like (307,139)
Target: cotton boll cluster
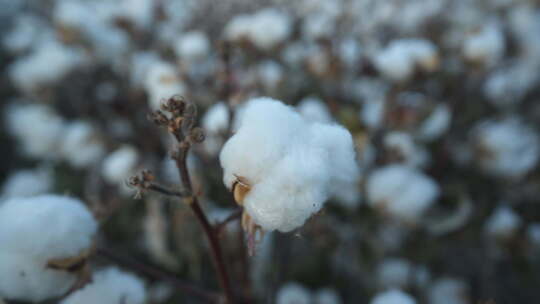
(448,291)
(37,127)
(503,223)
(53,227)
(485,46)
(110,286)
(401,192)
(81,145)
(48,63)
(291,166)
(506,148)
(399,60)
(294,293)
(393,296)
(27,182)
(120,165)
(162,80)
(265,29)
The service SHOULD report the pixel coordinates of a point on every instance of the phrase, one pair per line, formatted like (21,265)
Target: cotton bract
(110,286)
(35,231)
(291,165)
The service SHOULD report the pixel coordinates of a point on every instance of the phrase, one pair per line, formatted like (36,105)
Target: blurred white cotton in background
(120,165)
(192,46)
(27,182)
(81,145)
(394,273)
(110,286)
(53,227)
(314,109)
(401,192)
(293,293)
(448,291)
(161,82)
(485,46)
(393,296)
(436,124)
(326,296)
(503,223)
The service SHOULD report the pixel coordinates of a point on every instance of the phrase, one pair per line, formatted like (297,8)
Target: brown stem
(232,217)
(156,273)
(217,255)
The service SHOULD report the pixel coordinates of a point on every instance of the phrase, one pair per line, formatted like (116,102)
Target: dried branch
(235,215)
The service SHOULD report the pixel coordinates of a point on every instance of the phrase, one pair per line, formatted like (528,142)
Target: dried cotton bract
(38,235)
(110,286)
(282,168)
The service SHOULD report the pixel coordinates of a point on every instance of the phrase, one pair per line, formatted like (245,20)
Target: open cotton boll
(269,28)
(485,46)
(215,122)
(508,85)
(81,146)
(138,12)
(26,31)
(49,62)
(53,227)
(402,146)
(110,286)
(317,26)
(120,165)
(436,124)
(401,192)
(293,293)
(238,27)
(192,46)
(503,223)
(270,74)
(291,166)
(161,82)
(326,296)
(394,273)
(393,296)
(37,127)
(533,234)
(25,183)
(448,291)
(314,110)
(506,148)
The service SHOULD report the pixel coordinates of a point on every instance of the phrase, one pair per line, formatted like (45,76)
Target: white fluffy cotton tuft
(120,165)
(193,46)
(401,192)
(503,223)
(291,165)
(110,286)
(32,232)
(26,183)
(81,146)
(293,293)
(448,291)
(393,296)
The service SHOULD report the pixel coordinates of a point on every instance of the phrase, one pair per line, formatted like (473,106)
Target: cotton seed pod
(240,189)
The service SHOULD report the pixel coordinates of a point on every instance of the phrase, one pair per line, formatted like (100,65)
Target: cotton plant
(110,286)
(401,192)
(43,252)
(282,168)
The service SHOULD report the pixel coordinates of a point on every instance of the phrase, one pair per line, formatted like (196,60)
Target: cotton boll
(533,234)
(48,63)
(27,30)
(293,293)
(37,127)
(291,166)
(140,64)
(81,146)
(486,46)
(53,227)
(448,291)
(349,51)
(503,223)
(393,296)
(326,296)
(26,183)
(314,109)
(394,273)
(110,286)
(401,192)
(317,26)
(424,54)
(120,165)
(508,85)
(436,124)
(238,27)
(403,147)
(269,27)
(216,118)
(270,74)
(162,82)
(192,46)
(506,148)
(372,113)
(138,12)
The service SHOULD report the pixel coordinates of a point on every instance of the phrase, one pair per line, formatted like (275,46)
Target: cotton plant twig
(235,215)
(156,273)
(179,117)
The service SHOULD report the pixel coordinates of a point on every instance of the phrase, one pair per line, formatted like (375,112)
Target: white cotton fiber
(34,231)
(314,110)
(401,192)
(192,46)
(448,291)
(326,296)
(394,273)
(81,145)
(120,165)
(26,183)
(161,82)
(503,222)
(293,293)
(37,127)
(110,286)
(292,165)
(393,296)
(485,46)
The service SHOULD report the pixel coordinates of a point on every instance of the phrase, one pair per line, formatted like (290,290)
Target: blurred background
(441,97)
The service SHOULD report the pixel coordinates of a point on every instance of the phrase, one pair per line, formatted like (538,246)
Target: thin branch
(156,273)
(168,192)
(232,217)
